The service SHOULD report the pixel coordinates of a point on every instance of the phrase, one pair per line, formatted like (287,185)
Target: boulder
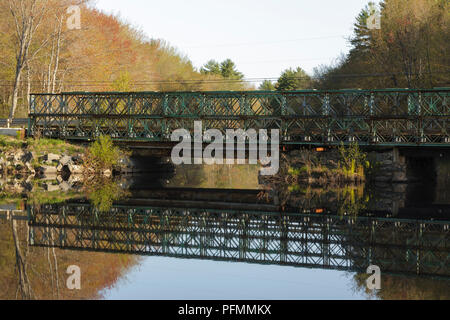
(75,169)
(77,160)
(48,170)
(27,157)
(52,188)
(66,160)
(399,177)
(30,168)
(107,173)
(52,157)
(65,186)
(73,179)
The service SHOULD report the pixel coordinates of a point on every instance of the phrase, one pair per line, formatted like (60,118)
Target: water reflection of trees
(216,176)
(345,243)
(346,200)
(40,273)
(404,288)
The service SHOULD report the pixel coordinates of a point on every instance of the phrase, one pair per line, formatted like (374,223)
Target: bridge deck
(371,117)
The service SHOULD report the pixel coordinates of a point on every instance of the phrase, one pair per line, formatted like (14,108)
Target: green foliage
(7,143)
(410,49)
(122,83)
(211,67)
(352,159)
(351,201)
(294,188)
(102,192)
(293,79)
(102,154)
(226,69)
(295,172)
(104,195)
(267,85)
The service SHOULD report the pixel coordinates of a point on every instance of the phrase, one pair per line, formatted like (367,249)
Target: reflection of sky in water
(169,278)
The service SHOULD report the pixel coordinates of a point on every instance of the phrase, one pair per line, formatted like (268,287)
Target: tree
(27,16)
(409,50)
(226,69)
(293,79)
(211,67)
(122,83)
(267,85)
(40,53)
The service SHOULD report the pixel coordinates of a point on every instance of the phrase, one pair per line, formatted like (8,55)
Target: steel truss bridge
(397,246)
(388,117)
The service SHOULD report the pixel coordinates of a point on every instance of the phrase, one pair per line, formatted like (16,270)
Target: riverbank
(52,171)
(43,157)
(322,167)
(39,157)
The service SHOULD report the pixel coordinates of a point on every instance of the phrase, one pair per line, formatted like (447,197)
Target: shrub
(352,159)
(102,154)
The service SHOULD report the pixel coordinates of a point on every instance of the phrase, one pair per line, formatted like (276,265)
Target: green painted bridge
(387,117)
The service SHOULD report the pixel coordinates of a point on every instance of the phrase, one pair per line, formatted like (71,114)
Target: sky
(263,37)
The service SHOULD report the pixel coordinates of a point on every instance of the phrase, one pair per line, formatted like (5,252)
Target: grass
(352,164)
(39,146)
(45,146)
(295,172)
(8,143)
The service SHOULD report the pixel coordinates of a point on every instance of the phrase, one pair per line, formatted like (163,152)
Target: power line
(263,42)
(286,60)
(244,80)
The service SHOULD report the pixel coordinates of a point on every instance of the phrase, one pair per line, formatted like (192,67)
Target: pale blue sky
(263,37)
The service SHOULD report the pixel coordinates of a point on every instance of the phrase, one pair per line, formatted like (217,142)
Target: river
(214,232)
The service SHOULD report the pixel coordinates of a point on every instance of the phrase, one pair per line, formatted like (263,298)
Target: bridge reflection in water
(397,246)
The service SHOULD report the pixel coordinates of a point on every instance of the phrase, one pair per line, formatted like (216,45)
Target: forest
(40,52)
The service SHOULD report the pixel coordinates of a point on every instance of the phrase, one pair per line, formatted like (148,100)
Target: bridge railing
(385,117)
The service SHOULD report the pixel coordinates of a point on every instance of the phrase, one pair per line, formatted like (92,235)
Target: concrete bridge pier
(405,165)
(411,175)
(391,166)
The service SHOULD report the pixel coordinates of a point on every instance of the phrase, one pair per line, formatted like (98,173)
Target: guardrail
(399,117)
(22,122)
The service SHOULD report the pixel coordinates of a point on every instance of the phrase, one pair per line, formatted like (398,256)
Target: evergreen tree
(267,86)
(293,79)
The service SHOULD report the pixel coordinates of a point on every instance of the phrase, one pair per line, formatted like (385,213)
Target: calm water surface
(216,233)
